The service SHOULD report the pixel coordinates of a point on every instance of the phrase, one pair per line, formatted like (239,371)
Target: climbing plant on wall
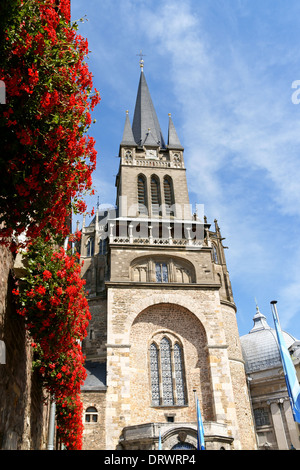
(52,301)
(46,164)
(46,155)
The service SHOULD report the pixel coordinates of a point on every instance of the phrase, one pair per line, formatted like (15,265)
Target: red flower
(41,290)
(46,275)
(59,291)
(41,305)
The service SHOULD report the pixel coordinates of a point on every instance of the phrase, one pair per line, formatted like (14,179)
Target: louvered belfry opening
(155,196)
(142,195)
(168,192)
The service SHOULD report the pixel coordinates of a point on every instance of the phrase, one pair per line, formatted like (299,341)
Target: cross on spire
(141,60)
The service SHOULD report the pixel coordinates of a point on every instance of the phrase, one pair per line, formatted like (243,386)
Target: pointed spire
(173,140)
(145,117)
(128,138)
(150,139)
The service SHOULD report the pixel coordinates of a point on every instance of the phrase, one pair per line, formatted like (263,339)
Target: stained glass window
(215,254)
(178,370)
(154,374)
(161,271)
(166,372)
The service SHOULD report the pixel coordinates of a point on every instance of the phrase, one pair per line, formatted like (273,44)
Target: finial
(127,111)
(141,60)
(169,114)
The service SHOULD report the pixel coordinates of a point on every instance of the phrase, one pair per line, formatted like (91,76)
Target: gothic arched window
(154,374)
(167,373)
(142,194)
(155,195)
(169,195)
(90,246)
(215,254)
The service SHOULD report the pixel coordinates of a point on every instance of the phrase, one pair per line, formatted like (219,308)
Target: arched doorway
(183,446)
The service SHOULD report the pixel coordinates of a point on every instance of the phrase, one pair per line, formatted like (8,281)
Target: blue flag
(159,440)
(200,435)
(288,368)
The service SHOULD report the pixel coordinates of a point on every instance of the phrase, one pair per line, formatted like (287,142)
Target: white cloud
(231,92)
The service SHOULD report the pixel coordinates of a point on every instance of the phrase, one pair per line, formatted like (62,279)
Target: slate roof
(173,140)
(145,118)
(96,376)
(145,129)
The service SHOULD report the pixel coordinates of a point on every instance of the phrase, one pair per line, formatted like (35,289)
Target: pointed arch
(90,246)
(169,195)
(155,195)
(142,193)
(154,374)
(179,374)
(215,256)
(167,374)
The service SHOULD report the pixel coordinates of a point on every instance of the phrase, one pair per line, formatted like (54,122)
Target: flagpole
(200,433)
(290,375)
(273,303)
(159,439)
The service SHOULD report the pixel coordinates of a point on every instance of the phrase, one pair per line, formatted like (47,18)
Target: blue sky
(225,71)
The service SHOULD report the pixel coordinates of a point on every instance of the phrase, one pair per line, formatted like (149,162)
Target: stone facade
(23,415)
(274,423)
(163,316)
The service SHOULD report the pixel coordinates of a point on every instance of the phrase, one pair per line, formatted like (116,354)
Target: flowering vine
(52,301)
(46,155)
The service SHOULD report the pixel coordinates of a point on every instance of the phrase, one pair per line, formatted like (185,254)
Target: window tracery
(167,373)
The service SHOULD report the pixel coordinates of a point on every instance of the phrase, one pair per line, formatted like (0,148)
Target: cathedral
(163,331)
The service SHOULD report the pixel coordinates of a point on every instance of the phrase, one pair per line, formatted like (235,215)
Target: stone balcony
(158,233)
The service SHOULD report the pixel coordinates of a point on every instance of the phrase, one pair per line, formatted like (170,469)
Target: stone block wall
(94,435)
(197,318)
(22,413)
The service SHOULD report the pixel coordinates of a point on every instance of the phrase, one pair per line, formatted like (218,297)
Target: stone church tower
(163,315)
